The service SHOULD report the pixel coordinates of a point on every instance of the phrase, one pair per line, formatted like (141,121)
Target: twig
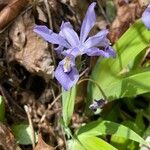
(53,93)
(49,107)
(5,28)
(74,13)
(51,26)
(28,111)
(49,14)
(102,11)
(82,73)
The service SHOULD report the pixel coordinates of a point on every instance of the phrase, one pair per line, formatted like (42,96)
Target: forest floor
(27,62)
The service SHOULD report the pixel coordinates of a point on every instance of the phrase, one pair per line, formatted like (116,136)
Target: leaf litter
(27,62)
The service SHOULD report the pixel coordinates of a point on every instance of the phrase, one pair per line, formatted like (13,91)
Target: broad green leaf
(136,63)
(107,71)
(2,109)
(109,128)
(123,143)
(132,125)
(85,142)
(68,101)
(119,142)
(23,134)
(75,144)
(128,86)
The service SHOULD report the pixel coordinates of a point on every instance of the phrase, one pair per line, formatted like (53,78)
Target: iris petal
(50,36)
(70,35)
(66,24)
(88,22)
(94,51)
(67,80)
(73,52)
(97,39)
(59,49)
(146,17)
(111,51)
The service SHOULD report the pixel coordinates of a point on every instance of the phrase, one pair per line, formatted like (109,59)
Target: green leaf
(123,143)
(147,132)
(85,142)
(68,101)
(140,121)
(75,144)
(23,134)
(109,128)
(129,86)
(107,71)
(132,125)
(136,63)
(2,109)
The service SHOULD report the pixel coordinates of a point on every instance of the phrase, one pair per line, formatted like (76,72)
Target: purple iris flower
(146,17)
(71,46)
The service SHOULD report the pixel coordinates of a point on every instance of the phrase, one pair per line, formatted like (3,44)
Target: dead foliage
(28,49)
(126,15)
(11,11)
(7,140)
(3,3)
(41,145)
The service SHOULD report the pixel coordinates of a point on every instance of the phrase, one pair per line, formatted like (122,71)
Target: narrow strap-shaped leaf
(68,100)
(2,109)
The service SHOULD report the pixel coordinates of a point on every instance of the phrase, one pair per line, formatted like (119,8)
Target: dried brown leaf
(11,11)
(41,145)
(3,3)
(28,48)
(126,15)
(143,3)
(41,14)
(7,140)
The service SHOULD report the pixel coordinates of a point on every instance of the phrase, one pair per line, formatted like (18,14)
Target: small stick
(82,73)
(53,93)
(102,11)
(28,111)
(49,107)
(49,14)
(5,28)
(51,26)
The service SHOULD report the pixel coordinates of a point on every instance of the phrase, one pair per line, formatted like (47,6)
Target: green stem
(99,87)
